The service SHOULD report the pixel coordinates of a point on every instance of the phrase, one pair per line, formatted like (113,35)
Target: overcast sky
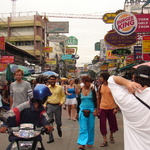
(87,31)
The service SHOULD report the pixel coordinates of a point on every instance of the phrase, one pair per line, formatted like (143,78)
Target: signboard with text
(7,59)
(48,50)
(2,43)
(57,27)
(146,48)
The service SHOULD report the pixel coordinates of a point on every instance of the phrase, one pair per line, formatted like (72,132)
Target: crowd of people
(86,99)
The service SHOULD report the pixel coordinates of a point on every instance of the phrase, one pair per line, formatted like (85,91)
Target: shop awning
(126,67)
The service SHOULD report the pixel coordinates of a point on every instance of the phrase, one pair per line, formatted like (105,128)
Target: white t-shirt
(136,116)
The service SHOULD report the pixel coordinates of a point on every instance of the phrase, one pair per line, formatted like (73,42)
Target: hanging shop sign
(57,38)
(125,23)
(146,48)
(72,41)
(70,50)
(57,27)
(137,52)
(2,43)
(97,46)
(121,52)
(7,59)
(48,50)
(114,39)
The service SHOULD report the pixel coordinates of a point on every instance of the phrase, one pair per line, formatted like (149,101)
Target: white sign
(57,27)
(57,38)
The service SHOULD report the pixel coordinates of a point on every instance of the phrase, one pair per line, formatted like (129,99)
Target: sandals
(104,144)
(89,146)
(82,147)
(112,140)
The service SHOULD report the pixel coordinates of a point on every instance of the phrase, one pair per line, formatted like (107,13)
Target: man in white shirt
(136,115)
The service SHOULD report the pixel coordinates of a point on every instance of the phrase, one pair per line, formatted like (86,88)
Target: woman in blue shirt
(71,100)
(87,108)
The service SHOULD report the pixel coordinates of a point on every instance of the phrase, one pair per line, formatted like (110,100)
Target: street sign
(72,41)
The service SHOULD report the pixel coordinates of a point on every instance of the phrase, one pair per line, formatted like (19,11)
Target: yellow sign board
(146,44)
(48,50)
(51,61)
(109,17)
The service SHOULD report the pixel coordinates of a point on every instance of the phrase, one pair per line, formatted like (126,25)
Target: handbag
(142,102)
(86,112)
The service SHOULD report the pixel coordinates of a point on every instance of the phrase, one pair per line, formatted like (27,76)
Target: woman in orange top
(107,109)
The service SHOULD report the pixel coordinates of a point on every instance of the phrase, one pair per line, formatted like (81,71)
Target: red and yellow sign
(51,61)
(70,51)
(48,50)
(2,43)
(146,44)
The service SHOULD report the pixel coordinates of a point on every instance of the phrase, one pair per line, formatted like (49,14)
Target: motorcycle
(26,136)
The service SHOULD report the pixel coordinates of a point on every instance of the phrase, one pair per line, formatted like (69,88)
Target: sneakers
(50,141)
(59,132)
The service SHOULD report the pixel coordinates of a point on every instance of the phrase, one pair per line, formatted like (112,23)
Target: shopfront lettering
(135,1)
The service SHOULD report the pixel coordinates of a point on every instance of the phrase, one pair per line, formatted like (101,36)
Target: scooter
(26,137)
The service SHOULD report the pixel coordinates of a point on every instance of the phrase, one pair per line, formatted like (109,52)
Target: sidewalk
(70,130)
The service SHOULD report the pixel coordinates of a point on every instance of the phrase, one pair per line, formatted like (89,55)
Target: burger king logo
(125,23)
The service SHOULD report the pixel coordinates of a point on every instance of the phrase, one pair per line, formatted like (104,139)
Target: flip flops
(104,144)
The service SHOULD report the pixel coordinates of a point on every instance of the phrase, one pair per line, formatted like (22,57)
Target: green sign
(121,52)
(97,46)
(72,41)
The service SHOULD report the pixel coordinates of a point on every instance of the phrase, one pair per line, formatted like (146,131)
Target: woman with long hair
(87,110)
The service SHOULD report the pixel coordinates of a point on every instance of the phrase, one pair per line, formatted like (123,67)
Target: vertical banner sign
(137,52)
(146,48)
(2,43)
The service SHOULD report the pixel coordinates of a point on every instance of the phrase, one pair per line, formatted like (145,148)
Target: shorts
(71,101)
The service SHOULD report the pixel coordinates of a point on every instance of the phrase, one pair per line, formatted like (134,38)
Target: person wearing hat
(136,115)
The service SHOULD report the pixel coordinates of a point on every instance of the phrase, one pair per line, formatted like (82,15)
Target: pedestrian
(107,110)
(54,105)
(63,85)
(136,115)
(87,110)
(71,100)
(20,90)
(29,112)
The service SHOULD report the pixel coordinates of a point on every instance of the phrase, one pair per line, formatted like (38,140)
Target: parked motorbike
(26,137)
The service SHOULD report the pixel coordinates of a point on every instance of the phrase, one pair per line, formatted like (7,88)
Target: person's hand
(115,110)
(3,129)
(133,86)
(49,128)
(95,112)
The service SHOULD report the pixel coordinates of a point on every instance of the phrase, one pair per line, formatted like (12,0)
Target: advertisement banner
(7,59)
(114,39)
(143,22)
(48,50)
(146,44)
(3,67)
(51,61)
(137,52)
(57,27)
(109,55)
(2,43)
(70,50)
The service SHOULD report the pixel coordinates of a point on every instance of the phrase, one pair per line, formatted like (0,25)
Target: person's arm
(131,86)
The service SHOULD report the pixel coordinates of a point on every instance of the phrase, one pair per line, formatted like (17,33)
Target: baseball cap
(143,71)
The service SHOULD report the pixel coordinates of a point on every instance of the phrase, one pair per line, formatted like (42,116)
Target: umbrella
(9,76)
(147,64)
(49,73)
(26,70)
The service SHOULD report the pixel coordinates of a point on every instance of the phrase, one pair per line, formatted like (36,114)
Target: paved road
(70,133)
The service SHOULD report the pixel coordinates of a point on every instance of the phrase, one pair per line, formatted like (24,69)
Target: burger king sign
(125,23)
